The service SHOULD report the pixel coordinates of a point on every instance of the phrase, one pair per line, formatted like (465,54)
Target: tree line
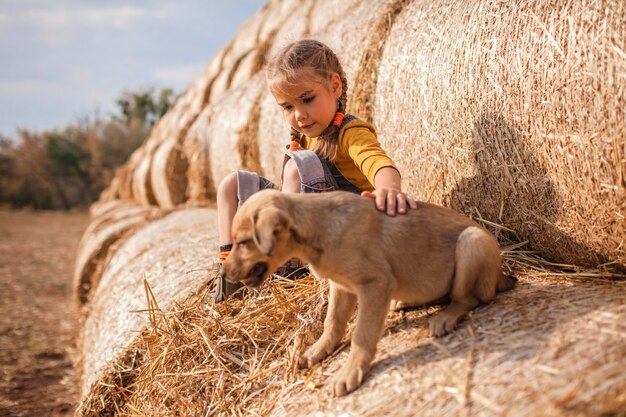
(69,167)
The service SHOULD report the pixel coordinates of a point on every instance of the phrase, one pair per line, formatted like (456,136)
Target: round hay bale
(245,69)
(110,213)
(242,49)
(168,174)
(101,207)
(142,187)
(93,253)
(111,223)
(125,175)
(201,189)
(247,144)
(249,46)
(224,125)
(112,192)
(173,256)
(514,112)
(273,134)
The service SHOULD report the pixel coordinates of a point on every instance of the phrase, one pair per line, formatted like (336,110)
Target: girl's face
(310,105)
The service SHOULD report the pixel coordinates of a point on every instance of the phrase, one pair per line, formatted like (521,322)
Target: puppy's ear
(268,223)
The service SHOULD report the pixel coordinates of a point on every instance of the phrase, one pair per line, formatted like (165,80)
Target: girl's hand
(391,201)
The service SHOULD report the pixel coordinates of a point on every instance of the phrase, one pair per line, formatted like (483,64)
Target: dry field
(38,324)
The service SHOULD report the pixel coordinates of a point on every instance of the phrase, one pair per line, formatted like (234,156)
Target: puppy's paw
(314,354)
(442,324)
(347,380)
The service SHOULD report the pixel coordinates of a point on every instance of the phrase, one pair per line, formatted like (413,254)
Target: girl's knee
(291,172)
(228,186)
(291,177)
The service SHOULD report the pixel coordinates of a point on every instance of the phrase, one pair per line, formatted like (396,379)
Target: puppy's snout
(224,275)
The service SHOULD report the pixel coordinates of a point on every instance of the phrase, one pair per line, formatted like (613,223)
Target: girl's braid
(343,100)
(328,141)
(297,136)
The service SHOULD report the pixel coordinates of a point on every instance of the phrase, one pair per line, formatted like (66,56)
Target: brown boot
(224,288)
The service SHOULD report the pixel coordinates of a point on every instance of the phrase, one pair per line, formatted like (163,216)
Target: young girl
(329,150)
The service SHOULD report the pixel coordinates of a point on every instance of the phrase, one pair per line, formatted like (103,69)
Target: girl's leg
(305,172)
(227,203)
(234,189)
(292,183)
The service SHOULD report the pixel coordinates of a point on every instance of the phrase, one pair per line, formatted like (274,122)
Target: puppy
(422,256)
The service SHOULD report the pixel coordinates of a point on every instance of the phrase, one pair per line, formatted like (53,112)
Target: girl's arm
(388,193)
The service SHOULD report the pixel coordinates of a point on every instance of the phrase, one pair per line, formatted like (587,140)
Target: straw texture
(515,111)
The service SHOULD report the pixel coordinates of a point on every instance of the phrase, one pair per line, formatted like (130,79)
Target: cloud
(71,56)
(59,15)
(177,75)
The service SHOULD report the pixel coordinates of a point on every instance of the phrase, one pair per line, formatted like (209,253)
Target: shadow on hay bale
(542,79)
(507,168)
(111,223)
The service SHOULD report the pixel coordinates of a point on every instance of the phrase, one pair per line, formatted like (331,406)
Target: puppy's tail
(506,282)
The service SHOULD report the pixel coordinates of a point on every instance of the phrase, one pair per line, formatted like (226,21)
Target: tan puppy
(369,257)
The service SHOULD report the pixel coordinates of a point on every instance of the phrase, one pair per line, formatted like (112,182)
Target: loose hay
(236,357)
(525,354)
(174,255)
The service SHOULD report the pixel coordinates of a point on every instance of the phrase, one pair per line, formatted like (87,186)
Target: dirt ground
(38,323)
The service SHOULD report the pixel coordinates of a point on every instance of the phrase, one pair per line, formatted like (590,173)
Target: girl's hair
(314,56)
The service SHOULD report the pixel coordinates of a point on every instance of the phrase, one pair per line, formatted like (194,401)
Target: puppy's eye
(242,244)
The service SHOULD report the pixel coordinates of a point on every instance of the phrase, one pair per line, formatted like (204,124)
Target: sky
(66,60)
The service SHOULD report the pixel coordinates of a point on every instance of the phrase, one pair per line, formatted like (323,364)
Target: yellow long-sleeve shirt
(359,155)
